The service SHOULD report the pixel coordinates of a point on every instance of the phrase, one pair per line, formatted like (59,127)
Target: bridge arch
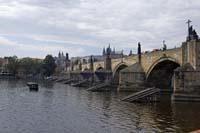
(160,74)
(161,60)
(85,69)
(117,70)
(99,67)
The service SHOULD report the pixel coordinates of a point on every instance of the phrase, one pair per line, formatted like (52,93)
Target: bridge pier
(103,76)
(132,78)
(187,77)
(79,76)
(93,78)
(186,84)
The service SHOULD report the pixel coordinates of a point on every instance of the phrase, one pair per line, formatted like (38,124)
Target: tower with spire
(104,51)
(111,52)
(62,61)
(59,55)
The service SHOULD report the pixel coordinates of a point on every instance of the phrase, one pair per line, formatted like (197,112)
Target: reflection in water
(186,115)
(61,108)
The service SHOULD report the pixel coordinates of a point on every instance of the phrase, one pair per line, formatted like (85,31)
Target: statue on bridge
(139,48)
(139,52)
(192,34)
(164,46)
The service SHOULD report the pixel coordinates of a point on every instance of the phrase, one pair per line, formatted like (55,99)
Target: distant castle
(112,53)
(63,62)
(106,51)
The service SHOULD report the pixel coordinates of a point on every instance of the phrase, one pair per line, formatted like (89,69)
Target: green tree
(48,65)
(30,65)
(13,64)
(37,66)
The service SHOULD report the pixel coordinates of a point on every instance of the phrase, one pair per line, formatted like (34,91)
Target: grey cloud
(96,23)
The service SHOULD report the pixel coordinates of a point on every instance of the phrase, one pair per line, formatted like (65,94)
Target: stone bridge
(175,69)
(154,65)
(148,61)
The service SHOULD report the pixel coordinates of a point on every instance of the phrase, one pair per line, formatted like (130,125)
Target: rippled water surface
(59,108)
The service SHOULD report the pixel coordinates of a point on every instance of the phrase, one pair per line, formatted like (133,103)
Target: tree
(30,66)
(48,65)
(13,64)
(37,66)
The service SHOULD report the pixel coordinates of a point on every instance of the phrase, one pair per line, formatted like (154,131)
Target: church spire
(59,54)
(104,51)
(108,50)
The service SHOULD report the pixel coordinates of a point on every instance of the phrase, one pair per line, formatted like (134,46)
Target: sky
(36,28)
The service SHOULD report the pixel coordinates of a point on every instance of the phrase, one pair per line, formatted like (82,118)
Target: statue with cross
(192,35)
(189,28)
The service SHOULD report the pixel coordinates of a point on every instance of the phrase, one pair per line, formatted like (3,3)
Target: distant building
(113,54)
(62,61)
(86,59)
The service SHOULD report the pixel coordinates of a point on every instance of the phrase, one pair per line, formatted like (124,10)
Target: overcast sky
(83,27)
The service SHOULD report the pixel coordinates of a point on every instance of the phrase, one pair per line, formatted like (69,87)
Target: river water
(59,108)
